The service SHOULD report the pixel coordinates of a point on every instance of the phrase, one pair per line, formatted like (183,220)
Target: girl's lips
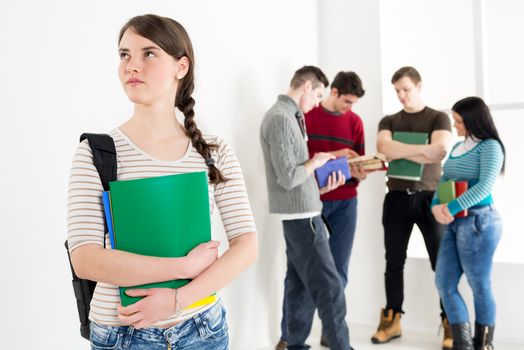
(134,81)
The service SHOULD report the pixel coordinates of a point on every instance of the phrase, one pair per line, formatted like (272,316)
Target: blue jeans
(468,247)
(312,282)
(341,217)
(206,330)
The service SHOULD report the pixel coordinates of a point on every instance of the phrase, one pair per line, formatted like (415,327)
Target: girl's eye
(149,54)
(123,55)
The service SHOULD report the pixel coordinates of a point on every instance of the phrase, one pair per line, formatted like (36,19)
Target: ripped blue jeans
(206,330)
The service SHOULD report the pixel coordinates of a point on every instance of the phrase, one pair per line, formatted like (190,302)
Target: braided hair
(173,39)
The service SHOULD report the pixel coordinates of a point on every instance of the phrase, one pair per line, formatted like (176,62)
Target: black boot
(483,337)
(461,336)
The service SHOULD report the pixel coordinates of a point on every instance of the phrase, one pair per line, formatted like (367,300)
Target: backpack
(104,160)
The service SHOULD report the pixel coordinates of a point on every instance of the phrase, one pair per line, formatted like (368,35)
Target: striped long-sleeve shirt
(85,221)
(479,167)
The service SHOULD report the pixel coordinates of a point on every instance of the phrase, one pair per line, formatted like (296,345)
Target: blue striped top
(480,167)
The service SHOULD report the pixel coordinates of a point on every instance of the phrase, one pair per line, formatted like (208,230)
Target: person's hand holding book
(345,152)
(358,172)
(442,214)
(335,180)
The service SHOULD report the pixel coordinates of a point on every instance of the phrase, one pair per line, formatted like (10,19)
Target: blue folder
(327,169)
(109,219)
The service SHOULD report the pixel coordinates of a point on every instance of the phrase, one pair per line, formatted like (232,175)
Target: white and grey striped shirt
(85,223)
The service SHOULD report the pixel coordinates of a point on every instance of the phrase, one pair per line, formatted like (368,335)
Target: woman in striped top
(469,242)
(156,71)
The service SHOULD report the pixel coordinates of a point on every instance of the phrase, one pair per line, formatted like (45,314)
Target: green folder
(446,191)
(402,168)
(163,216)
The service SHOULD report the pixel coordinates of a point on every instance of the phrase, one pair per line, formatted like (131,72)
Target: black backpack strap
(104,156)
(83,290)
(104,160)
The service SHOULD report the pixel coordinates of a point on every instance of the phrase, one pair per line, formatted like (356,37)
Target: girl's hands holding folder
(200,258)
(158,304)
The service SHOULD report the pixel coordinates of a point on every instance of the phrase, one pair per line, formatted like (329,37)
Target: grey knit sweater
(290,189)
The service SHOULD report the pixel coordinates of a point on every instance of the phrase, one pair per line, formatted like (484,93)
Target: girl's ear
(183,67)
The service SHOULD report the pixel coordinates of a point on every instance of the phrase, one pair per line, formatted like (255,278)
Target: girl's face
(459,124)
(147,73)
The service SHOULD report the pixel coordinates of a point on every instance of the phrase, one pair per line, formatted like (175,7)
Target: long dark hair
(173,39)
(478,121)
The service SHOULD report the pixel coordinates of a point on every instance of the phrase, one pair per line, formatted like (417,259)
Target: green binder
(163,216)
(446,191)
(402,168)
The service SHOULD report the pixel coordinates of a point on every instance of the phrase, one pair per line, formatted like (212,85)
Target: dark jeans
(467,248)
(401,211)
(341,217)
(312,282)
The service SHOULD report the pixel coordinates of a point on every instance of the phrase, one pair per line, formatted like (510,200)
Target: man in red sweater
(333,127)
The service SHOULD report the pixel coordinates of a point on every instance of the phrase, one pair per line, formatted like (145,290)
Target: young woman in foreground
(157,73)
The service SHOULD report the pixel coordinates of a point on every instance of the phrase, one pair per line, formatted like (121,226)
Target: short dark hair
(306,73)
(407,71)
(348,83)
(478,120)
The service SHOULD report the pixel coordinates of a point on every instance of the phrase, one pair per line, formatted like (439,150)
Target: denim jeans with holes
(206,330)
(467,248)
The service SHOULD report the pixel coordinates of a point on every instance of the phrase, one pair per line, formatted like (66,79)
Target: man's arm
(289,170)
(423,154)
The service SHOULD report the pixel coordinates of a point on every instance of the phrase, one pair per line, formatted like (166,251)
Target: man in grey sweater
(312,280)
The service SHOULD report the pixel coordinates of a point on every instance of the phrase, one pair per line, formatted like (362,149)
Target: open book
(370,162)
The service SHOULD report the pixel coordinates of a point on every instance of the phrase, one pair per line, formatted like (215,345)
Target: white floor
(410,340)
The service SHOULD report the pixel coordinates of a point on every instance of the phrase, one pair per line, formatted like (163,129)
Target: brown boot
(282,345)
(447,343)
(389,327)
(323,341)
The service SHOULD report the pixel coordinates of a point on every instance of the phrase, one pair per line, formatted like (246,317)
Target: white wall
(58,78)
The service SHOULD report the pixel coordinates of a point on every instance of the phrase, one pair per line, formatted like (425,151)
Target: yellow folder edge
(207,300)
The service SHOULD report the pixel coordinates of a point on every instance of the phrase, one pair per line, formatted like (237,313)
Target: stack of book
(163,216)
(367,162)
(370,162)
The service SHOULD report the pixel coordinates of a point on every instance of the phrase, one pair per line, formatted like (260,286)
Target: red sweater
(330,132)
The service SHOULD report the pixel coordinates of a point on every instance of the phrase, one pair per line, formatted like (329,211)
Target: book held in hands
(164,216)
(333,165)
(370,162)
(403,168)
(450,190)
